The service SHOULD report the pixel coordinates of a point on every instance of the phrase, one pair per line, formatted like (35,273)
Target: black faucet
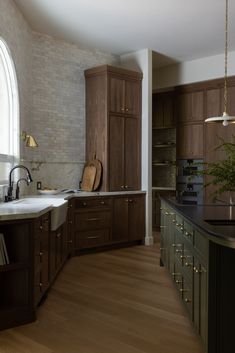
(18,187)
(29,179)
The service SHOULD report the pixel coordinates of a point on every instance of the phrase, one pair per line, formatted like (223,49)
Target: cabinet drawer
(92,203)
(91,238)
(92,220)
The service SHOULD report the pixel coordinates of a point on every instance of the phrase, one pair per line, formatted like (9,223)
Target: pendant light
(225,118)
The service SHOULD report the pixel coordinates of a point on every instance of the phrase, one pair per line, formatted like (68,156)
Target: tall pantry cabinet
(113,125)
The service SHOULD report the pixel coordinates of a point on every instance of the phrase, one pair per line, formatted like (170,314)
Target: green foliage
(222,173)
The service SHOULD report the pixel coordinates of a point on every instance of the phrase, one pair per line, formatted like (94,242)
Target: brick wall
(51,82)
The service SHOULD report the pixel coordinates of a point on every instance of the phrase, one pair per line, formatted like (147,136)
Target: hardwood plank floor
(120,301)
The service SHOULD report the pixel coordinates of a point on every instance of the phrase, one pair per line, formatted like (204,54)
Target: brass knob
(102,202)
(130,200)
(178,281)
(58,235)
(41,227)
(84,204)
(176,274)
(178,251)
(70,241)
(173,220)
(127,110)
(127,200)
(41,253)
(183,257)
(70,222)
(188,264)
(166,213)
(40,284)
(122,109)
(122,186)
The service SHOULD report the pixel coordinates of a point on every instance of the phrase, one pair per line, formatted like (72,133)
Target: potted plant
(222,173)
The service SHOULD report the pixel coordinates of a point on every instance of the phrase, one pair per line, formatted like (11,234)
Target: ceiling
(179,30)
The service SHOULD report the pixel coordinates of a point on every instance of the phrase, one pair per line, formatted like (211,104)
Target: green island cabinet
(203,271)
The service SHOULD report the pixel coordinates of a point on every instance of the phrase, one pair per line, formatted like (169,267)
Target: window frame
(14,111)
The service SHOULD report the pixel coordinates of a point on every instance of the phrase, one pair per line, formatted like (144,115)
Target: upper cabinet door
(191,107)
(116,95)
(132,97)
(124,96)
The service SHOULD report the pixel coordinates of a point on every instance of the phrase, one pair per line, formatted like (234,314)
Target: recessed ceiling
(178,29)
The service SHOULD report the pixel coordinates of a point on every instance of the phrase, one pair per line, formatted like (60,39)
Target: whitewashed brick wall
(51,82)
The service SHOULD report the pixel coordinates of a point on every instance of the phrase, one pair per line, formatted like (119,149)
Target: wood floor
(119,301)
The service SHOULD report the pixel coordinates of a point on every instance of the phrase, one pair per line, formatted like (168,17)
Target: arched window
(9,113)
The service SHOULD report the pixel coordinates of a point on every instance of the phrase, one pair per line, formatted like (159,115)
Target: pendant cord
(226,57)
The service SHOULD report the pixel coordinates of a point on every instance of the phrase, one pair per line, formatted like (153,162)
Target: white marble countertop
(15,210)
(9,211)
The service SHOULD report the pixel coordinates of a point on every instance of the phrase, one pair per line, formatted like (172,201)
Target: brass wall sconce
(29,139)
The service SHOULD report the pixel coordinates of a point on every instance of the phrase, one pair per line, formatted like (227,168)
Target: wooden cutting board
(98,176)
(88,177)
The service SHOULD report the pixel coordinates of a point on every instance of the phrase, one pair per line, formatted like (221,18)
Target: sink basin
(58,213)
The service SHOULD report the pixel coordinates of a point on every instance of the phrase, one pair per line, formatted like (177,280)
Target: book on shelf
(4,258)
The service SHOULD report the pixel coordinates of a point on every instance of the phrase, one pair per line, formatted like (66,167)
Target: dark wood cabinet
(113,125)
(128,218)
(190,110)
(92,222)
(124,156)
(190,141)
(125,96)
(16,277)
(58,250)
(106,221)
(41,256)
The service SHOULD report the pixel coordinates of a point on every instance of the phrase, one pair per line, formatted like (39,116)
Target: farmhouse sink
(58,213)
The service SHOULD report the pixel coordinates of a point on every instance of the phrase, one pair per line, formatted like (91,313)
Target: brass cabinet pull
(122,186)
(102,202)
(162,226)
(173,220)
(93,237)
(176,274)
(127,200)
(187,300)
(183,257)
(130,201)
(41,253)
(70,222)
(178,281)
(41,227)
(70,241)
(58,235)
(181,228)
(178,251)
(84,204)
(188,264)
(127,110)
(93,219)
(122,109)
(183,290)
(40,284)
(176,245)
(167,213)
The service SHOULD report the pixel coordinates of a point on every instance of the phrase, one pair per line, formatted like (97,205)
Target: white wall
(203,69)
(142,60)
